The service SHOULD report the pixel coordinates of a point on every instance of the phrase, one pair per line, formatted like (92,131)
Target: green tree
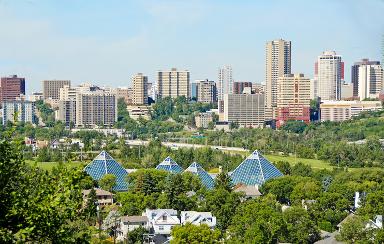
(300,227)
(194,234)
(223,181)
(107,182)
(136,236)
(301,169)
(90,209)
(284,167)
(38,206)
(354,231)
(257,221)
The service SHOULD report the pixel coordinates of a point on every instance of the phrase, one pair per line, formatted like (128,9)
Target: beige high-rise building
(206,91)
(293,98)
(278,64)
(245,109)
(173,83)
(140,89)
(96,108)
(51,88)
(126,93)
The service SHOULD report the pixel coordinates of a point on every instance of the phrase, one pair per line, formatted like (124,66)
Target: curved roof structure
(170,165)
(205,178)
(104,164)
(254,170)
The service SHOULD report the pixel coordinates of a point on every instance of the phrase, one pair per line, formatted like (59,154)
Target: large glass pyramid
(205,178)
(170,165)
(254,170)
(104,164)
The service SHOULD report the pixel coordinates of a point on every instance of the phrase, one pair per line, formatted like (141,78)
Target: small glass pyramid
(170,165)
(205,178)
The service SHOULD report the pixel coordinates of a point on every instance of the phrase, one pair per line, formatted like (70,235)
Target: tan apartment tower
(51,88)
(173,83)
(140,89)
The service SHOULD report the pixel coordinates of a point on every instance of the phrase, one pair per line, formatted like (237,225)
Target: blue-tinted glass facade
(104,164)
(170,165)
(205,178)
(254,170)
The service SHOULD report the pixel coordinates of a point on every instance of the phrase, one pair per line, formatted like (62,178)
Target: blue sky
(107,41)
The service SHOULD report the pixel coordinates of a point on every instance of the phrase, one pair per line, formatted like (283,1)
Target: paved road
(176,145)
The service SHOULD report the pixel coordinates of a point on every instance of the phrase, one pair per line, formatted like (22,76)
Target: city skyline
(82,42)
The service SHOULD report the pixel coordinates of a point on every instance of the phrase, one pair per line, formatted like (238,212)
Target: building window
(164,217)
(161,227)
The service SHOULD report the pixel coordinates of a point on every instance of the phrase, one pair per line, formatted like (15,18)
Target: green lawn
(50,165)
(314,163)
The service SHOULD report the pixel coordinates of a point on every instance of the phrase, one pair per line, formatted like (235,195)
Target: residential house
(250,192)
(161,221)
(130,223)
(198,218)
(103,197)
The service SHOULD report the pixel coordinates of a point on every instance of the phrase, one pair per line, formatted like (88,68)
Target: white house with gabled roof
(161,221)
(198,218)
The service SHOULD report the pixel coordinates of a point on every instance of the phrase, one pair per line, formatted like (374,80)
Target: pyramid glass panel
(104,164)
(205,178)
(170,165)
(254,170)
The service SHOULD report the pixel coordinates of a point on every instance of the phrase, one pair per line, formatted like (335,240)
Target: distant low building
(250,191)
(202,120)
(136,112)
(345,110)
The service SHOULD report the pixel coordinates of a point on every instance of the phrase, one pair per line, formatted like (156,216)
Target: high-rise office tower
(278,64)
(206,91)
(329,73)
(51,88)
(11,88)
(225,82)
(293,98)
(173,83)
(140,89)
(96,108)
(367,79)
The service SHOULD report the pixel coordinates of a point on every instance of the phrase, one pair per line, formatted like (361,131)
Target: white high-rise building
(18,111)
(367,79)
(225,82)
(173,83)
(278,64)
(329,73)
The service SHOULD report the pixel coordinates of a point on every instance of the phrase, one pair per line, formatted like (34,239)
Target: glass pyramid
(254,170)
(104,164)
(205,178)
(170,165)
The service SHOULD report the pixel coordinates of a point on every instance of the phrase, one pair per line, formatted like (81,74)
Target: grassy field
(50,165)
(314,163)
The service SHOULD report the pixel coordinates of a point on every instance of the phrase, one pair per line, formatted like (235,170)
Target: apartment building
(206,91)
(367,79)
(173,83)
(96,108)
(245,109)
(293,98)
(51,88)
(11,88)
(18,111)
(239,86)
(140,89)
